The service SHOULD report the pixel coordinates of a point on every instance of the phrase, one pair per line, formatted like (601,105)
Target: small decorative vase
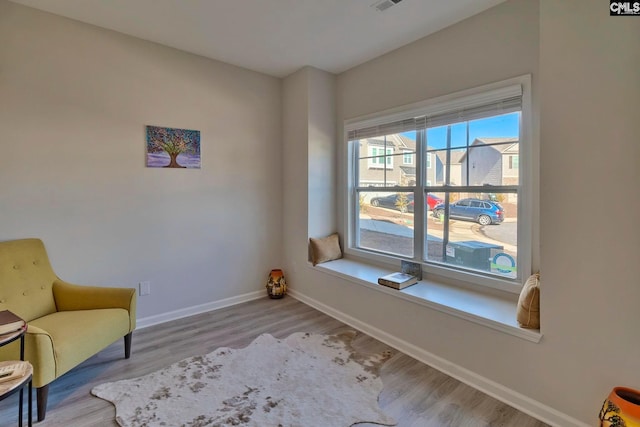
(621,408)
(276,285)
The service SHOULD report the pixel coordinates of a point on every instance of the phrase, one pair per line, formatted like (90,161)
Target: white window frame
(374,161)
(380,184)
(407,154)
(527,146)
(514,159)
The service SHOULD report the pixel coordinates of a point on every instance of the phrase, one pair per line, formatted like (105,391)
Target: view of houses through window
(466,176)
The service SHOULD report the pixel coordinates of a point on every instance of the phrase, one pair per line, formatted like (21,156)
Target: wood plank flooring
(414,394)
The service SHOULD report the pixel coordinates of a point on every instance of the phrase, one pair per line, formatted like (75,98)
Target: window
(513,162)
(407,159)
(462,210)
(378,158)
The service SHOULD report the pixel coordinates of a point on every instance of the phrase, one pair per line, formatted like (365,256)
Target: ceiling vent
(383,5)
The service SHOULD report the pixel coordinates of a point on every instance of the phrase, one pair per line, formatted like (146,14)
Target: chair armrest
(39,350)
(70,297)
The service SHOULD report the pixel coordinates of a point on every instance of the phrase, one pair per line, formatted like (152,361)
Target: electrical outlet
(145,288)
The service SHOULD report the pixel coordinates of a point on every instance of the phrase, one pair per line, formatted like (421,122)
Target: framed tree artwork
(173,148)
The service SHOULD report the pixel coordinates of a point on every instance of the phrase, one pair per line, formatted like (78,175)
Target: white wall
(322,153)
(309,177)
(586,100)
(295,173)
(74,102)
(590,147)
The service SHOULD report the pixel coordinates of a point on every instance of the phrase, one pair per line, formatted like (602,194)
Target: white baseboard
(145,322)
(519,401)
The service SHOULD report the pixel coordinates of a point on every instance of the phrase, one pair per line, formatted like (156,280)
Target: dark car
(392,202)
(484,212)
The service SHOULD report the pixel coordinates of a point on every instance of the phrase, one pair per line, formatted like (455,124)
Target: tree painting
(173,148)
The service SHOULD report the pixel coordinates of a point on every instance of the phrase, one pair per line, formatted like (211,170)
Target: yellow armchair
(67,323)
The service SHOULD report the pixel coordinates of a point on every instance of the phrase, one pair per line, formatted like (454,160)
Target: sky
(504,126)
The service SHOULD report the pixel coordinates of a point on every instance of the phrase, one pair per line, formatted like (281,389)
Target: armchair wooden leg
(42,393)
(127,345)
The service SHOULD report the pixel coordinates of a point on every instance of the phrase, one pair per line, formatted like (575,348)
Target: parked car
(391,202)
(484,212)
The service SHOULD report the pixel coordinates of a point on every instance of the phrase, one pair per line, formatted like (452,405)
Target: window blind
(404,125)
(498,102)
(464,114)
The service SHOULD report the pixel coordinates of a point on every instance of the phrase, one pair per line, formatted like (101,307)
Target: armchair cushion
(92,331)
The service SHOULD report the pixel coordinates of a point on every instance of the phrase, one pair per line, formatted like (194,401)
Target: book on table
(12,371)
(9,322)
(398,280)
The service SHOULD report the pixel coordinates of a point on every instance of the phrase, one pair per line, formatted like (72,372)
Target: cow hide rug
(303,380)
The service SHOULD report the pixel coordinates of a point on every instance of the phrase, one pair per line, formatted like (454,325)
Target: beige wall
(590,134)
(586,98)
(309,178)
(295,174)
(322,153)
(74,102)
(465,55)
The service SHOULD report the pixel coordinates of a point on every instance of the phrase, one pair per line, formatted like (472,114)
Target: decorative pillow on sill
(528,312)
(325,249)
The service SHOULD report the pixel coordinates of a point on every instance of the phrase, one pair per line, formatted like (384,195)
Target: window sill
(487,310)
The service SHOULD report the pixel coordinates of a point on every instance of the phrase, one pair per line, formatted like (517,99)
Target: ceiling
(276,37)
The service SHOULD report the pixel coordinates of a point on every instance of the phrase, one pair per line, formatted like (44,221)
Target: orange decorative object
(621,408)
(276,285)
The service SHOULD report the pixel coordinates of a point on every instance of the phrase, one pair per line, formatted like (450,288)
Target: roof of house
(456,156)
(399,141)
(408,170)
(493,140)
(503,145)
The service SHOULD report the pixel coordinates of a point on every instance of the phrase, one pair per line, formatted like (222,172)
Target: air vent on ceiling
(383,5)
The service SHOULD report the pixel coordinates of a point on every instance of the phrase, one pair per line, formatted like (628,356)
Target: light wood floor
(414,394)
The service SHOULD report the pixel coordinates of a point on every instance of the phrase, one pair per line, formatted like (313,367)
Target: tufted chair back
(26,279)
